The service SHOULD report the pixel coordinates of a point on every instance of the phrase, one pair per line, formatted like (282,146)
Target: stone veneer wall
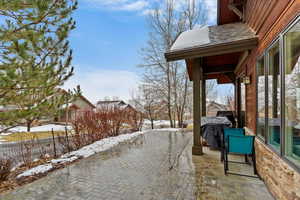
(282,180)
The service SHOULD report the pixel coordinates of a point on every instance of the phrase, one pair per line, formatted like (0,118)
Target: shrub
(5,167)
(134,119)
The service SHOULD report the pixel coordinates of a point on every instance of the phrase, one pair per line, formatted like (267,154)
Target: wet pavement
(157,165)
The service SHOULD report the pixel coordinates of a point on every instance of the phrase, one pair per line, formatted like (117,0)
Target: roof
(87,101)
(119,103)
(80,96)
(218,105)
(213,40)
(114,102)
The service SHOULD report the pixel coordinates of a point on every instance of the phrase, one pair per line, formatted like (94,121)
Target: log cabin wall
(268,18)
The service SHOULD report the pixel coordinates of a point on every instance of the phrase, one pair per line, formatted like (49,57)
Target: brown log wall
(268,18)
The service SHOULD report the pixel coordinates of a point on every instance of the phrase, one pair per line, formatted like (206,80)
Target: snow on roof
(195,37)
(207,41)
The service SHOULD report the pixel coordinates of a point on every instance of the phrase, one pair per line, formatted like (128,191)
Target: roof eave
(211,50)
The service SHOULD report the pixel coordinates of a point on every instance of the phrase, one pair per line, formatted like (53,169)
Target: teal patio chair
(227,132)
(242,145)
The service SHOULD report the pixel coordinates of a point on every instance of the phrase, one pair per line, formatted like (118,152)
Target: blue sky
(106,45)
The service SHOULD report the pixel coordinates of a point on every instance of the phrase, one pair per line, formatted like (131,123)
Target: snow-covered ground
(42,128)
(86,151)
(156,123)
(36,170)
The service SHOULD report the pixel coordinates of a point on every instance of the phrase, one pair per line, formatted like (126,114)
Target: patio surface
(157,166)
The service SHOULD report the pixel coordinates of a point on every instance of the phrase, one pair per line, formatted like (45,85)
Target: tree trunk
(28,125)
(152,123)
(184,101)
(169,96)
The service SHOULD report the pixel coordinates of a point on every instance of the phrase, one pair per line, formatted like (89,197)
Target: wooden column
(203,96)
(197,76)
(238,102)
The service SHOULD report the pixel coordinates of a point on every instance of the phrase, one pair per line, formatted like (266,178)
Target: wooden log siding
(282,14)
(262,15)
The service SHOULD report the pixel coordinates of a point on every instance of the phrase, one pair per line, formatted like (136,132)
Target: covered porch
(215,52)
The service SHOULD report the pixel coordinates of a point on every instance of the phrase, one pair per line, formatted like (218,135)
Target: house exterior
(115,104)
(213,107)
(79,105)
(255,46)
(112,103)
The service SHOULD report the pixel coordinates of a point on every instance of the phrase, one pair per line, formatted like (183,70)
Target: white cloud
(145,7)
(125,5)
(99,83)
(138,5)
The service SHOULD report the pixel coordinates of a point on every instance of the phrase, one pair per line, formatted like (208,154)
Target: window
(261,103)
(292,93)
(274,119)
(278,94)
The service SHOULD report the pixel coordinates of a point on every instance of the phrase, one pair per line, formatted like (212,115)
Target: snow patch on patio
(101,145)
(64,160)
(36,170)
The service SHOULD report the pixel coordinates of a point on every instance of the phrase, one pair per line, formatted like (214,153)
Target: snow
(89,150)
(168,129)
(156,123)
(42,128)
(102,145)
(191,38)
(64,160)
(36,170)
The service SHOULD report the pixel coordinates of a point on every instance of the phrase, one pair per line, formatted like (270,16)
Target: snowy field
(43,128)
(157,124)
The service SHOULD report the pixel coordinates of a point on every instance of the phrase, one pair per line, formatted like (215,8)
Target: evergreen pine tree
(35,58)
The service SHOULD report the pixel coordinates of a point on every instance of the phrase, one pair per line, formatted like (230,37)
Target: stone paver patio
(157,166)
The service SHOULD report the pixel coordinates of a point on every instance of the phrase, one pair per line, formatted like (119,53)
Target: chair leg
(222,155)
(225,162)
(254,162)
(246,159)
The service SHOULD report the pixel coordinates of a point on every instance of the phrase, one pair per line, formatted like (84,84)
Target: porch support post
(203,96)
(238,101)
(197,76)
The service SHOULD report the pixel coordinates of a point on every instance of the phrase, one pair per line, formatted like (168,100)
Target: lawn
(22,136)
(38,132)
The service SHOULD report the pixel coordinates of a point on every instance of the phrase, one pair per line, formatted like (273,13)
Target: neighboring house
(115,103)
(255,43)
(79,105)
(213,107)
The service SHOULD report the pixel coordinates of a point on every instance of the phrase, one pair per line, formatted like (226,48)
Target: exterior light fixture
(246,80)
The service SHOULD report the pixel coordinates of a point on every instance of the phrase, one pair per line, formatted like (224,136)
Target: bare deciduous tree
(169,79)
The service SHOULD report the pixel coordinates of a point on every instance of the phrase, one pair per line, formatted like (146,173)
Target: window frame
(267,52)
(261,57)
(265,55)
(283,54)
